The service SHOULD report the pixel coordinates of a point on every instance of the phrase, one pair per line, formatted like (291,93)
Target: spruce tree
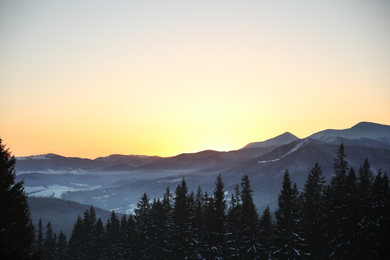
(338,207)
(130,238)
(288,241)
(234,225)
(39,240)
(209,250)
(349,232)
(16,229)
(157,230)
(266,234)
(169,225)
(99,238)
(181,219)
(198,223)
(113,235)
(249,222)
(61,246)
(365,244)
(142,216)
(314,212)
(88,240)
(75,244)
(216,219)
(49,242)
(381,216)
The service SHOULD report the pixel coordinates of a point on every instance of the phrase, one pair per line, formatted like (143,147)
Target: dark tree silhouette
(266,234)
(182,221)
(249,222)
(16,229)
(308,225)
(314,213)
(288,234)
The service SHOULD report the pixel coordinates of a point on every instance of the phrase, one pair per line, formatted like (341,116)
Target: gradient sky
(93,78)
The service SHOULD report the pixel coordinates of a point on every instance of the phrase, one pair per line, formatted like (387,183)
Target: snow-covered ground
(34,157)
(56,191)
(292,150)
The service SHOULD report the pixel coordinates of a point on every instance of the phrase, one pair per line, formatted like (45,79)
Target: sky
(93,78)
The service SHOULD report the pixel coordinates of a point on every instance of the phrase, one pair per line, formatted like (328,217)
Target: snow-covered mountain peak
(361,130)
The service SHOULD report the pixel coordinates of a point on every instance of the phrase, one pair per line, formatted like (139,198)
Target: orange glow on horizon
(179,77)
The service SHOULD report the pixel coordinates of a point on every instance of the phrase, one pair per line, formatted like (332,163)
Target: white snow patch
(34,157)
(170,181)
(292,150)
(56,190)
(131,208)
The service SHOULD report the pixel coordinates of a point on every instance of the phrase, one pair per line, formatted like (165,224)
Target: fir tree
(216,219)
(61,246)
(249,219)
(266,234)
(99,238)
(234,225)
(365,240)
(198,223)
(39,240)
(338,208)
(75,244)
(209,250)
(130,238)
(142,216)
(16,229)
(169,225)
(88,242)
(381,216)
(157,230)
(288,234)
(49,242)
(113,235)
(181,219)
(350,222)
(314,212)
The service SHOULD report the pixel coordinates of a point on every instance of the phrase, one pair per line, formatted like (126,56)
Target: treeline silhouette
(349,218)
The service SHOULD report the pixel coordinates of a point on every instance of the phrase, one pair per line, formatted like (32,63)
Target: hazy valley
(117,182)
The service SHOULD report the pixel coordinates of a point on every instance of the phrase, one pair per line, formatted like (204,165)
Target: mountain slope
(264,162)
(279,140)
(61,213)
(363,130)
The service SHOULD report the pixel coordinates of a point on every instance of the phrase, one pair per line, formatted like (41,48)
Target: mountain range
(117,182)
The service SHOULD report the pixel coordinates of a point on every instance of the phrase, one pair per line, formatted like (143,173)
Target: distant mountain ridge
(365,130)
(118,181)
(282,139)
(368,134)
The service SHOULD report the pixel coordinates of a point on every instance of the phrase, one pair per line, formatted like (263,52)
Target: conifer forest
(347,218)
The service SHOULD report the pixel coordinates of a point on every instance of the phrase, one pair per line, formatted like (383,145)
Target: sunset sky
(93,78)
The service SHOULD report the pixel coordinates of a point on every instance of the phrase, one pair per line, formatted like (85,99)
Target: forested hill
(345,218)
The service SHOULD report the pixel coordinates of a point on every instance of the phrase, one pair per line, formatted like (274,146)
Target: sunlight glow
(165,79)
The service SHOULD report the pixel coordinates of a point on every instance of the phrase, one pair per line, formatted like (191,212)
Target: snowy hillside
(362,130)
(118,181)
